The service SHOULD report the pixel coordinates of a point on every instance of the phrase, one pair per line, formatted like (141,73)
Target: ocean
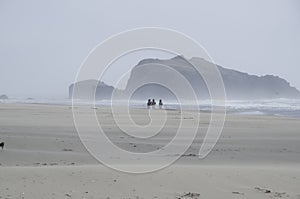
(279,107)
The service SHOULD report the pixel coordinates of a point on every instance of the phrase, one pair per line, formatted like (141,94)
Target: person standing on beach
(160,103)
(149,103)
(153,102)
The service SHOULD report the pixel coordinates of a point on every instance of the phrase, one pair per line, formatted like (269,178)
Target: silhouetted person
(160,103)
(153,102)
(2,145)
(149,103)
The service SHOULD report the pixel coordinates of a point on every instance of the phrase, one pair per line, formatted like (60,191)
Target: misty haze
(160,99)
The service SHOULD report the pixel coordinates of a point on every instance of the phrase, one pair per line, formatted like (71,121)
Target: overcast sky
(43,43)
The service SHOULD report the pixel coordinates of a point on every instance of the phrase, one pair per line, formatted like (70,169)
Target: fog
(43,43)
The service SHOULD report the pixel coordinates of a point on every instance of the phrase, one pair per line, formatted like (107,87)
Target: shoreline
(203,108)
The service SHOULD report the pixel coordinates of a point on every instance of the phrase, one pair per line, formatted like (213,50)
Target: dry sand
(256,157)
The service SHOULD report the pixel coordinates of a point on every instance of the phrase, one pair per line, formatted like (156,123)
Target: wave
(281,107)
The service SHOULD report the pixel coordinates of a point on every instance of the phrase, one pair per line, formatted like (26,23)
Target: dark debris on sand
(189,195)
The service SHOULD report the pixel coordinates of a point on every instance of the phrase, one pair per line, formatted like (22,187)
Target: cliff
(238,85)
(89,87)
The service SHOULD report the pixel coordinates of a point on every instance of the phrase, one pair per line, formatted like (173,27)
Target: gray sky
(42,43)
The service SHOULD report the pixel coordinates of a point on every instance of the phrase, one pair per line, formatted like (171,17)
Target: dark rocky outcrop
(3,97)
(86,90)
(238,85)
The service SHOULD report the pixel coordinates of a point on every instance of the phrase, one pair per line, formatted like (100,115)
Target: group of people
(153,103)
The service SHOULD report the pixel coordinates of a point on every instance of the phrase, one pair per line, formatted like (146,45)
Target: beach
(257,156)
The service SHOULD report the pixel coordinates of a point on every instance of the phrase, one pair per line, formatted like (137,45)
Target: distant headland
(238,85)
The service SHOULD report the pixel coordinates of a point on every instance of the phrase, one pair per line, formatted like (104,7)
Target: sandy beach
(256,157)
